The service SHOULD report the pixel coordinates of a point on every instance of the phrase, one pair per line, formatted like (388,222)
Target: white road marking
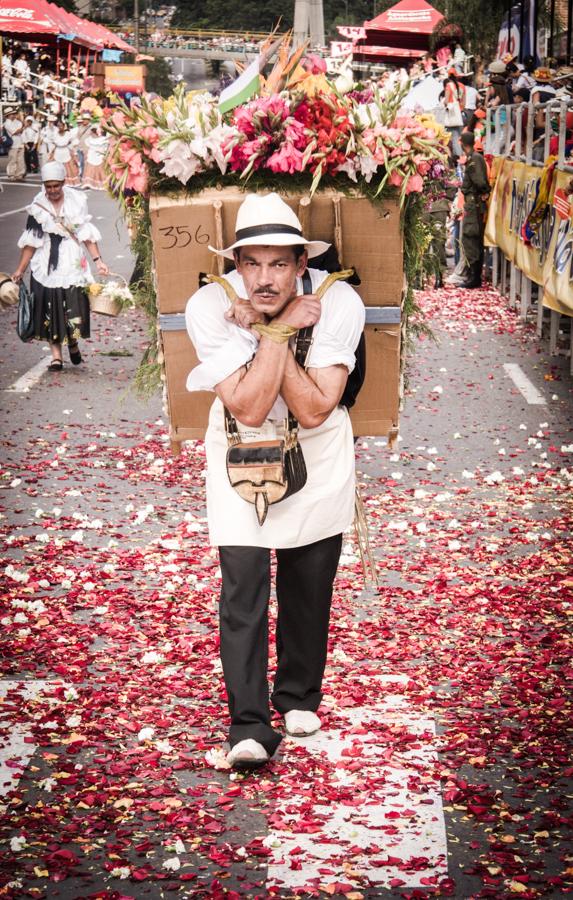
(28,379)
(34,184)
(390,816)
(14,747)
(12,212)
(524,385)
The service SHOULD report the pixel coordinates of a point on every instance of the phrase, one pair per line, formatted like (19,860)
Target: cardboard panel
(367,236)
(375,411)
(184,227)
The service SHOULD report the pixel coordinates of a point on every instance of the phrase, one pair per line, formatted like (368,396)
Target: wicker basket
(106,306)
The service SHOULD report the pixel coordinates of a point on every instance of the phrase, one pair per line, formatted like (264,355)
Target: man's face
(269,274)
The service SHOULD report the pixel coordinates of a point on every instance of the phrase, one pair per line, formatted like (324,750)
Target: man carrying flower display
(252,355)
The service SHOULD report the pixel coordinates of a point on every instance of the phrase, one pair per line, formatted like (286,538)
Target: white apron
(324,506)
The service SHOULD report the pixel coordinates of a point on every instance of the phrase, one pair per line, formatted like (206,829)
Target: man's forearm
(307,401)
(252,397)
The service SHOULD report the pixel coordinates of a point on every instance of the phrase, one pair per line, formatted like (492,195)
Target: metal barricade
(506,136)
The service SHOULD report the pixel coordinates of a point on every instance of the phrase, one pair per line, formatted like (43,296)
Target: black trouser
(304,591)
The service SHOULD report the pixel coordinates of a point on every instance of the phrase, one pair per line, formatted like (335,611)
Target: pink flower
(149,134)
(315,65)
(415,184)
(118,119)
(396,178)
(286,159)
(138,182)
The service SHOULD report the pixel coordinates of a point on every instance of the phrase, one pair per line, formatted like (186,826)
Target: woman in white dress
(58,233)
(97,144)
(64,152)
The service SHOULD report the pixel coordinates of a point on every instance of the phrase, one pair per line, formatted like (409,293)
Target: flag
(242,89)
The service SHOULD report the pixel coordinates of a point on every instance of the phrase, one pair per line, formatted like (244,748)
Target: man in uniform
(475,188)
(257,378)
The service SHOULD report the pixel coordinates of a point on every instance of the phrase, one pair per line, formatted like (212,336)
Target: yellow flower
(95,288)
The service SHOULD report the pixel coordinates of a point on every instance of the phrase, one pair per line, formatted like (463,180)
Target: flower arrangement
(300,132)
(114,296)
(305,128)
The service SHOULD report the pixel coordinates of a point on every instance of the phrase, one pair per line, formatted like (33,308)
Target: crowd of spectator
(37,79)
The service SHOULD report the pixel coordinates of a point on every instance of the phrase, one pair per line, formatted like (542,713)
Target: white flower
(70,694)
(438,389)
(47,784)
(494,478)
(146,734)
(271,840)
(454,545)
(121,872)
(20,617)
(17,843)
(172,865)
(180,167)
(73,721)
(152,656)
(15,575)
(217,758)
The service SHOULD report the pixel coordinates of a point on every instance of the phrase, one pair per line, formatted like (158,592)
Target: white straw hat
(9,291)
(266,220)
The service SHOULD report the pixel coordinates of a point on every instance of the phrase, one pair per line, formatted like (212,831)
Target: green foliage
(68,5)
(480,21)
(157,80)
(228,15)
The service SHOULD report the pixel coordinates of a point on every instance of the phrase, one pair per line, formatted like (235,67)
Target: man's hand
(243,314)
(300,312)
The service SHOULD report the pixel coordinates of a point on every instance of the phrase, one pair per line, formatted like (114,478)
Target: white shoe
(247,754)
(301,722)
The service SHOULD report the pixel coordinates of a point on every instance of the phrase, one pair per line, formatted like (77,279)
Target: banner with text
(548,259)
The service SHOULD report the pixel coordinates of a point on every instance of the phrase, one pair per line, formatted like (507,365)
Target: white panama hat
(265,220)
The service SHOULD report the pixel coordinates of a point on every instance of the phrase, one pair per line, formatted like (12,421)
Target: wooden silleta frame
(366,236)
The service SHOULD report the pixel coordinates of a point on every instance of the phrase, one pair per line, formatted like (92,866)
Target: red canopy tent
(36,20)
(28,17)
(408,25)
(394,56)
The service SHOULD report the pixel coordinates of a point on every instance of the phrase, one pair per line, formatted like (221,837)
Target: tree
(158,77)
(68,5)
(480,21)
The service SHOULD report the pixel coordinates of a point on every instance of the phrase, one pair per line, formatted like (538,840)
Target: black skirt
(61,315)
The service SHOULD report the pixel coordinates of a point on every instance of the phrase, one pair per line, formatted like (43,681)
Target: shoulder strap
(304,336)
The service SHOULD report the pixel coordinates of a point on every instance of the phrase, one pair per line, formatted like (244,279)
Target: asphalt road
(446,699)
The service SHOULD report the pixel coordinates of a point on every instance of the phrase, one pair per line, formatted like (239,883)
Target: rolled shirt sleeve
(338,331)
(222,347)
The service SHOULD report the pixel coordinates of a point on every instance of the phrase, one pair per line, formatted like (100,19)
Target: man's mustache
(266,290)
